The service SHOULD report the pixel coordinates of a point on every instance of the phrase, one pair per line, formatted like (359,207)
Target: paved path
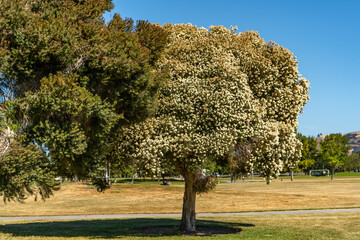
(172,215)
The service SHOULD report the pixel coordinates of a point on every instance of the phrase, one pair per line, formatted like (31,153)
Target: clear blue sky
(323,35)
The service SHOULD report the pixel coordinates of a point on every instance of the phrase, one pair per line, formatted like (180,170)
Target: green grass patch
(347,174)
(306,226)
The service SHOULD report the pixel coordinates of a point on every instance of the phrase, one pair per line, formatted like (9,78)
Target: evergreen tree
(76,79)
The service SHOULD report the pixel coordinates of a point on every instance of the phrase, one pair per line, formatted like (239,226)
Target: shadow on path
(115,228)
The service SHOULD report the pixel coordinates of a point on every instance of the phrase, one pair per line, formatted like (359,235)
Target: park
(115,128)
(148,196)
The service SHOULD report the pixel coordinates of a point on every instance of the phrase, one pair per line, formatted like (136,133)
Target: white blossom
(224,87)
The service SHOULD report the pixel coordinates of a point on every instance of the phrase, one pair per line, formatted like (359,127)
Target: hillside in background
(354,140)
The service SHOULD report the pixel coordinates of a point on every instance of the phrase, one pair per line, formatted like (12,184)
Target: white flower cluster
(224,87)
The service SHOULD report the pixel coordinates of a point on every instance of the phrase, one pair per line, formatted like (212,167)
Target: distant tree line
(331,153)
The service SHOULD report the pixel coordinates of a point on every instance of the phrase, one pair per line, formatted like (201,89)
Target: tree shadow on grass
(116,228)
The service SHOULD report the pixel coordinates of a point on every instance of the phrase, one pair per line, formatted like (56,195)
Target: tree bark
(332,174)
(132,179)
(292,175)
(188,212)
(108,173)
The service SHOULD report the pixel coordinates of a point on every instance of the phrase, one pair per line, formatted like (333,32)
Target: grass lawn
(308,226)
(348,174)
(151,197)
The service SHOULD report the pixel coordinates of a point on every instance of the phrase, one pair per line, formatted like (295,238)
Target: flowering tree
(225,88)
(274,79)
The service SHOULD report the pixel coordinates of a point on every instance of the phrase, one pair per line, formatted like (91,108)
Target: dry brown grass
(300,194)
(80,198)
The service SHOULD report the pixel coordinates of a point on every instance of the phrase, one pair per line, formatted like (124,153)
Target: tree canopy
(85,93)
(334,151)
(309,152)
(352,162)
(225,88)
(74,79)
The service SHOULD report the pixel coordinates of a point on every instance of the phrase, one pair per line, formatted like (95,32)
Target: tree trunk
(132,179)
(188,212)
(292,175)
(332,174)
(107,173)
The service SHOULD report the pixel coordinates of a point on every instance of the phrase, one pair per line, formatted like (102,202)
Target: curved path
(172,215)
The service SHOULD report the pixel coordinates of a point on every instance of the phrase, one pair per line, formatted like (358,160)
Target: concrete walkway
(174,215)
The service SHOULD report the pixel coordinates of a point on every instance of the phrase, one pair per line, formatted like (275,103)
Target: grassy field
(320,226)
(151,197)
(347,174)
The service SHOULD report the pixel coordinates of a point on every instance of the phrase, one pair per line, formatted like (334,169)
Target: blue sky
(323,35)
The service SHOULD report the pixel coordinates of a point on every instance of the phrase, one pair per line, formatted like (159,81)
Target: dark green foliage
(352,162)
(153,37)
(101,184)
(24,170)
(123,72)
(70,123)
(71,37)
(42,37)
(76,79)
